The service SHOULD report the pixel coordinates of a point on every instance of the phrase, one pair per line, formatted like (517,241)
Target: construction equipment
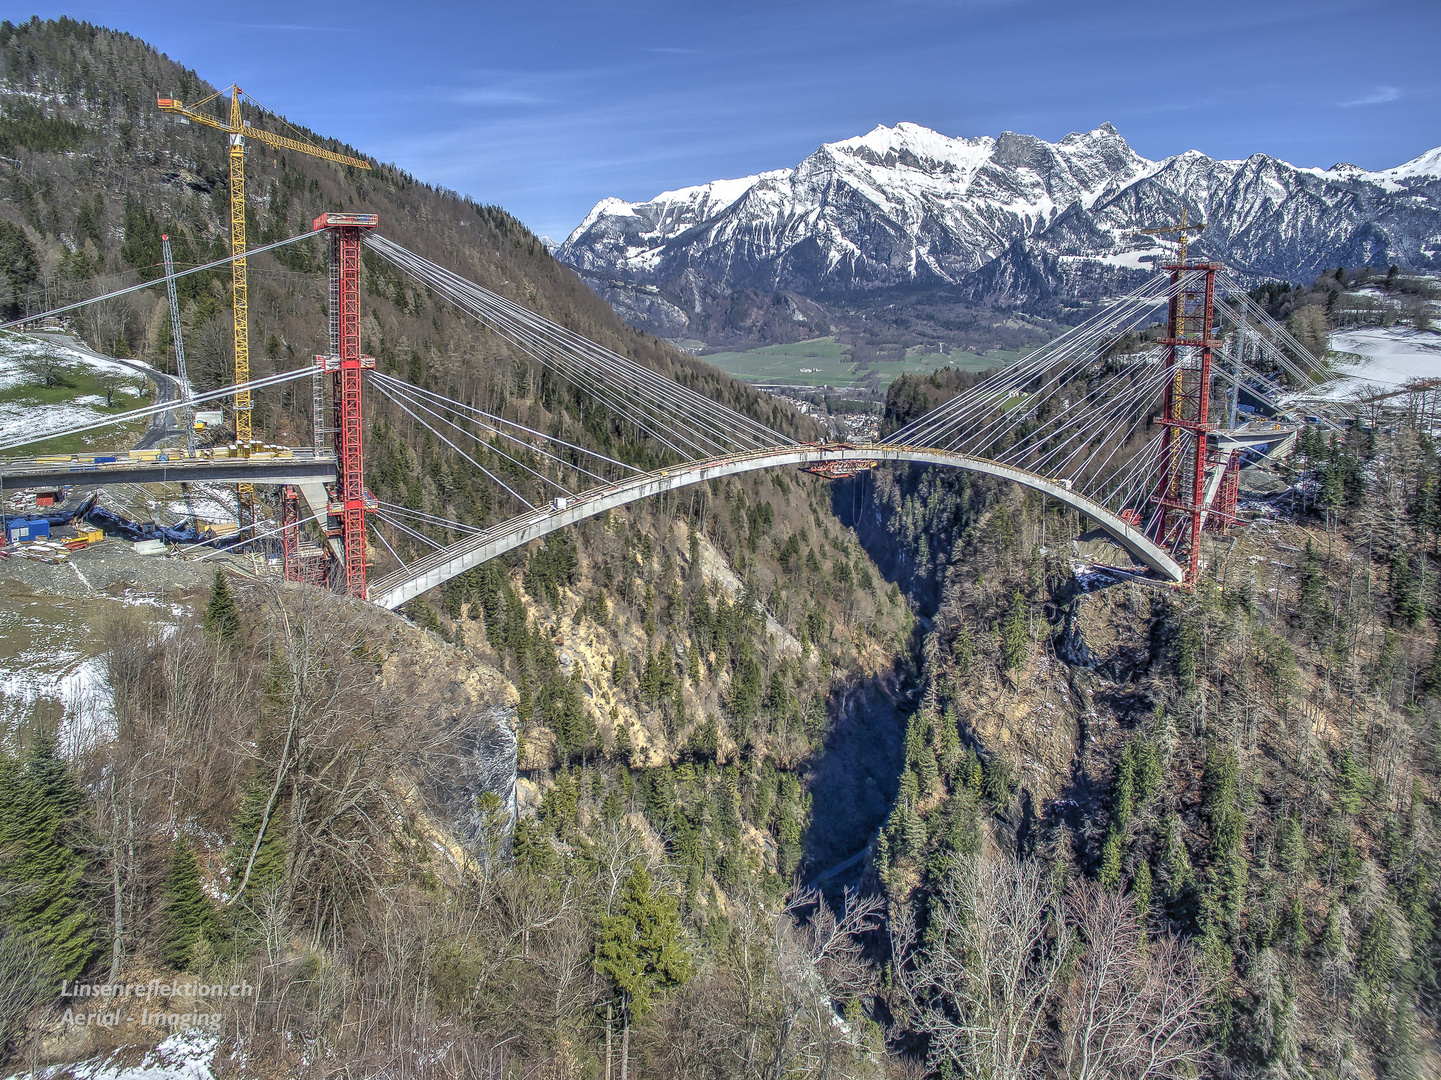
(186,412)
(1183,228)
(239,130)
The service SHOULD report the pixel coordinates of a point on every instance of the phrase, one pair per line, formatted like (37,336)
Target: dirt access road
(167,388)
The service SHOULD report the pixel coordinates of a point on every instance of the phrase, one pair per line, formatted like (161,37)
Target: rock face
(1013,217)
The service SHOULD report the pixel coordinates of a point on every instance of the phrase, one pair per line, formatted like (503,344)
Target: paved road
(167,388)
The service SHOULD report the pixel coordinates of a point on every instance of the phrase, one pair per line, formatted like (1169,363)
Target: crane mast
(186,415)
(240,290)
(238,130)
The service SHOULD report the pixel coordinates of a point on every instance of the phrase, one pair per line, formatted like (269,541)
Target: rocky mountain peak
(908,206)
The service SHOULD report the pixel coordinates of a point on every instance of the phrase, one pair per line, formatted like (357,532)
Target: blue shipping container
(22,530)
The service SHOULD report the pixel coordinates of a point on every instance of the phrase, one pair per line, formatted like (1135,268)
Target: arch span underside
(440,566)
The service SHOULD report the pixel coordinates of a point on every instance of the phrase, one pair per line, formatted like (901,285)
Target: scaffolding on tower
(1180,496)
(345,365)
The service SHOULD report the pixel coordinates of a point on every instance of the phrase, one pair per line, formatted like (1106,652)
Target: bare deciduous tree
(1134,1008)
(980,982)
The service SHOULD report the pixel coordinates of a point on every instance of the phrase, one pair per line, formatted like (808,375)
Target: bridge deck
(440,566)
(299,467)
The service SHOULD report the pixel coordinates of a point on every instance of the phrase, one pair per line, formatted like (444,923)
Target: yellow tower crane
(239,130)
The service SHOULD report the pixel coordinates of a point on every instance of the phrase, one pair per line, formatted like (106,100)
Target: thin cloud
(1379,96)
(495,96)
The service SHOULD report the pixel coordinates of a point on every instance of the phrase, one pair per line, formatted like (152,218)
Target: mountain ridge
(907,206)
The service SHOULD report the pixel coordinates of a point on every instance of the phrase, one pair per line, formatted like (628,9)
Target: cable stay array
(679,419)
(1076,419)
(1077,411)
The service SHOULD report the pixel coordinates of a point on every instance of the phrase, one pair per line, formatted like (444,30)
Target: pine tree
(222,617)
(964,651)
(186,917)
(1111,861)
(42,866)
(268,865)
(641,951)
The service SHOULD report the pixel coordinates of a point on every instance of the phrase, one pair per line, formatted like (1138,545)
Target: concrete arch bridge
(440,566)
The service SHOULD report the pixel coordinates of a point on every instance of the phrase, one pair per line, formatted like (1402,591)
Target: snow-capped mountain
(1014,217)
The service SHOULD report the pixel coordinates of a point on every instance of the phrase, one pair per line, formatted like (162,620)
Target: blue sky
(547,107)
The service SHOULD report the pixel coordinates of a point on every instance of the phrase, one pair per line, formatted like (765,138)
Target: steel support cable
(685,435)
(1237,316)
(429,519)
(1140,477)
(1097,481)
(680,398)
(979,441)
(426,519)
(684,404)
(1266,388)
(495,532)
(994,429)
(1141,466)
(398,395)
(415,397)
(547,354)
(216,264)
(1234,289)
(408,530)
(152,410)
(1119,316)
(1278,355)
(551,341)
(524,501)
(1139,407)
(1094,425)
(1058,368)
(1107,488)
(623,410)
(253,539)
(981,396)
(370,520)
(491,419)
(1078,421)
(1072,461)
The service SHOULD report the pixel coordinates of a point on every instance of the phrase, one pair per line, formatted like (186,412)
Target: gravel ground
(112,567)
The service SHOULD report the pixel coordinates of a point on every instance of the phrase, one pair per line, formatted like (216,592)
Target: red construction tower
(345,363)
(1181,495)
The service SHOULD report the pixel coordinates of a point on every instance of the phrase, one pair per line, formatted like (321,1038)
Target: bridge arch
(440,566)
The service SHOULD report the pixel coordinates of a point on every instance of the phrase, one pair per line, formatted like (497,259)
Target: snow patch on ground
(1390,357)
(183,1056)
(48,654)
(16,349)
(32,419)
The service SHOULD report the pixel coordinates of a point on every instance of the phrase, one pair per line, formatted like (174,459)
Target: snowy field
(29,409)
(183,1056)
(47,656)
(1388,358)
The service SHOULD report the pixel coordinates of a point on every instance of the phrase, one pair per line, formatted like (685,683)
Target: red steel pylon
(1181,494)
(1222,514)
(346,365)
